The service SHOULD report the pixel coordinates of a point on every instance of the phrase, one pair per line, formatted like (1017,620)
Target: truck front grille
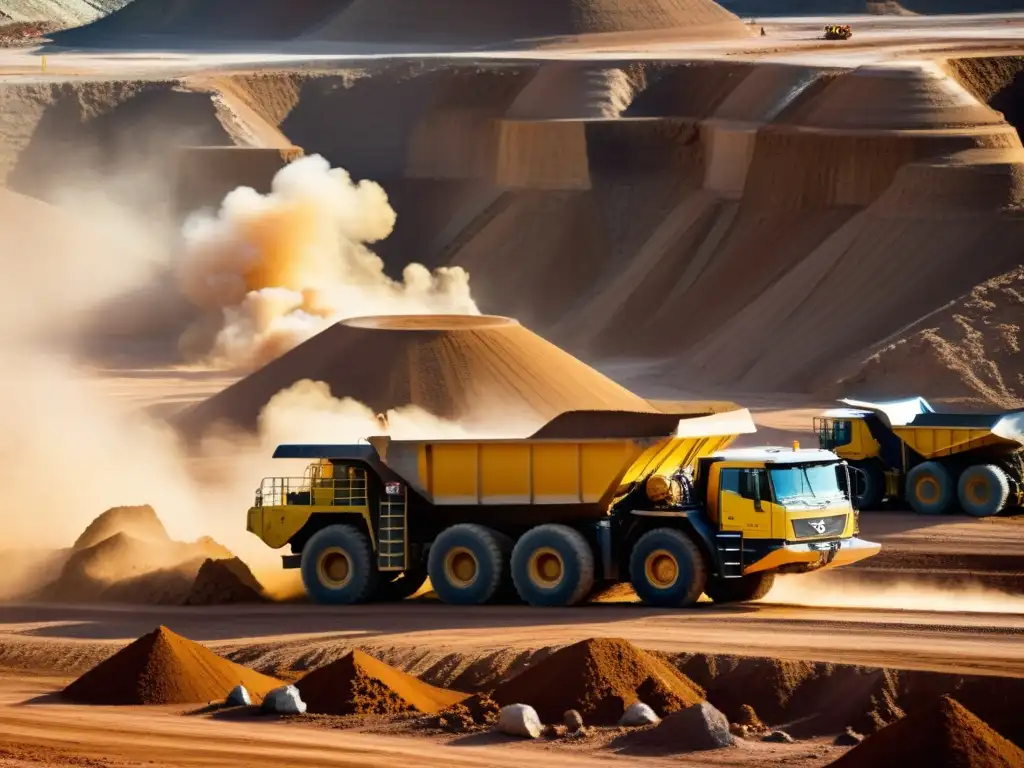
(816,527)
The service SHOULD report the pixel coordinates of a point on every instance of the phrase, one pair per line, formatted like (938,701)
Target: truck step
(391,549)
(730,554)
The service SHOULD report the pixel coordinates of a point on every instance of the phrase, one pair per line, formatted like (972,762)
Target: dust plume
(276,269)
(826,590)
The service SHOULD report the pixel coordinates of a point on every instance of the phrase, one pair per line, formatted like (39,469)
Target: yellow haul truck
(936,462)
(661,504)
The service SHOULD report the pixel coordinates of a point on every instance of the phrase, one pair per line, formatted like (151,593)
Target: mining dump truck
(907,453)
(592,498)
(838,32)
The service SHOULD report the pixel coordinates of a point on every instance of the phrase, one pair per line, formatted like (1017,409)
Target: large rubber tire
(337,566)
(553,566)
(467,564)
(983,490)
(930,489)
(667,569)
(745,589)
(871,481)
(392,588)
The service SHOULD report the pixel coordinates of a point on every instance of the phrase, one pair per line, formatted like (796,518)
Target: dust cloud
(848,591)
(276,269)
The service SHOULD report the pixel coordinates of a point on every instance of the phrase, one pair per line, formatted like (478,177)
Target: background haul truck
(660,503)
(936,462)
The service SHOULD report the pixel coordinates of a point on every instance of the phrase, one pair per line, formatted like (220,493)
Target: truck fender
(691,522)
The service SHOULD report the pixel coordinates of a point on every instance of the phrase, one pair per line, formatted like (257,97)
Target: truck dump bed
(933,434)
(559,470)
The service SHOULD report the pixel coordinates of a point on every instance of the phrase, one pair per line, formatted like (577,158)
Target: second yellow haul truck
(592,498)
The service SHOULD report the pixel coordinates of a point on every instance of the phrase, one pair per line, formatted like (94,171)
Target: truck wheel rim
(334,568)
(977,491)
(661,569)
(460,566)
(927,490)
(546,567)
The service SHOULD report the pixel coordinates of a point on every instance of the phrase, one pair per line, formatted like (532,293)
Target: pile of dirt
(139,522)
(599,678)
(125,569)
(201,20)
(224,581)
(358,684)
(164,668)
(969,351)
(477,22)
(452,366)
(944,733)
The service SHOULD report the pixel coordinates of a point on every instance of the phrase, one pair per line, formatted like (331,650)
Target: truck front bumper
(815,555)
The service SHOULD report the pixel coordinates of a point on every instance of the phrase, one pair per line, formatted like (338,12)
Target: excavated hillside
(611,205)
(476,22)
(767,8)
(187,22)
(64,13)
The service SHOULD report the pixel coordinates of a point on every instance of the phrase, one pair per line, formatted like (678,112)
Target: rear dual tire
(553,566)
(983,490)
(468,564)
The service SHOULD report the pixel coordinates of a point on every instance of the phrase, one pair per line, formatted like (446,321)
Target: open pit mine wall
(701,211)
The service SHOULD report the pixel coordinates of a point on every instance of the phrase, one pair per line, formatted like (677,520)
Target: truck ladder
(730,553)
(391,541)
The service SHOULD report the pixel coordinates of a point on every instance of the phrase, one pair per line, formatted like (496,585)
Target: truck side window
(730,481)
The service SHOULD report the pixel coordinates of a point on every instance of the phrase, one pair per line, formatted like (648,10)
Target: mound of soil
(359,684)
(944,734)
(969,351)
(221,582)
(455,367)
(140,522)
(125,569)
(164,668)
(475,22)
(599,678)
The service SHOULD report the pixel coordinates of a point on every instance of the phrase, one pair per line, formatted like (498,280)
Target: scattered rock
(779,737)
(457,719)
(284,701)
(740,731)
(849,738)
(520,720)
(695,728)
(573,721)
(637,714)
(239,697)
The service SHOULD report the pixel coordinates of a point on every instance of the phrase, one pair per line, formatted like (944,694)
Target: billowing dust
(848,591)
(72,450)
(278,268)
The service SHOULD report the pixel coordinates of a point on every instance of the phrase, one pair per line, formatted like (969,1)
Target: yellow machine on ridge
(663,504)
(935,462)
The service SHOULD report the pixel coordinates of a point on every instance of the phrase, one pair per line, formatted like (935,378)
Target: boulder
(638,714)
(849,738)
(779,737)
(699,727)
(284,701)
(573,721)
(520,720)
(239,697)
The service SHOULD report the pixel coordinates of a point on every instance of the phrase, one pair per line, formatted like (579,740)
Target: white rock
(638,714)
(519,720)
(239,697)
(284,701)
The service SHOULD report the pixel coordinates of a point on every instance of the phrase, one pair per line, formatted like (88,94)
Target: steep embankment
(476,22)
(768,8)
(63,13)
(187,22)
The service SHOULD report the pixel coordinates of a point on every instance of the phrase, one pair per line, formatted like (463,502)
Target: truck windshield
(811,484)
